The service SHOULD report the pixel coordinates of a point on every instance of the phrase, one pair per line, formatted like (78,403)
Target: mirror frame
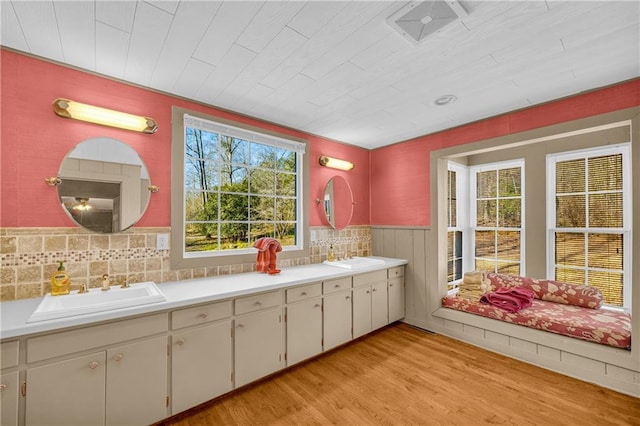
(115,171)
(338,202)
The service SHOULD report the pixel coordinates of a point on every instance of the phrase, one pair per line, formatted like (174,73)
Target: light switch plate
(162,241)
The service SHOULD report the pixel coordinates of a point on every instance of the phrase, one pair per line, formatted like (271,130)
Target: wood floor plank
(404,376)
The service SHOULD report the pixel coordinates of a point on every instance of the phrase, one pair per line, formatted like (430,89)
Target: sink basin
(355,262)
(96,300)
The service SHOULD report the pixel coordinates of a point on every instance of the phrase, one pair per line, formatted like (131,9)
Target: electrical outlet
(162,242)
(313,235)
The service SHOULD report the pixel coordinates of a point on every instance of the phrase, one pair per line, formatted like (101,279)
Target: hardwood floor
(401,375)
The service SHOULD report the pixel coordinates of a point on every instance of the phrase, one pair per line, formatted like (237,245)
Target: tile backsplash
(29,256)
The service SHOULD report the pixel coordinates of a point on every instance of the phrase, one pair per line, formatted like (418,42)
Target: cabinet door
(379,309)
(337,319)
(137,383)
(66,393)
(304,330)
(361,311)
(258,345)
(201,365)
(9,399)
(396,299)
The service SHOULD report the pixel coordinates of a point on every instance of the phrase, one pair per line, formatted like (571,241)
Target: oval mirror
(338,202)
(104,185)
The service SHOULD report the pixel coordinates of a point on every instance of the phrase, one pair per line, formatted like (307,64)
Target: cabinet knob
(240,325)
(204,315)
(304,293)
(258,303)
(117,357)
(368,292)
(316,305)
(348,297)
(180,342)
(337,286)
(390,285)
(3,387)
(93,365)
(374,289)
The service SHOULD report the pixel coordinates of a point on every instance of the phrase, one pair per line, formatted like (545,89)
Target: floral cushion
(602,326)
(552,291)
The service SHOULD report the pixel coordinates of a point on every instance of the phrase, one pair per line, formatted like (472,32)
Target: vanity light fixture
(335,163)
(107,117)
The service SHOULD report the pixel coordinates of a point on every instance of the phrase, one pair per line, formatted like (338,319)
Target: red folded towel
(267,253)
(510,299)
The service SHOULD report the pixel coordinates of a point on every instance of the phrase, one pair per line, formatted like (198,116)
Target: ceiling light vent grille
(419,19)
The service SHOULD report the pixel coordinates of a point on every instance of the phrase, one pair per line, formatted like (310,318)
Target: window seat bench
(562,308)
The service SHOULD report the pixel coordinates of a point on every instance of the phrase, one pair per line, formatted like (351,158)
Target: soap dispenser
(60,281)
(331,257)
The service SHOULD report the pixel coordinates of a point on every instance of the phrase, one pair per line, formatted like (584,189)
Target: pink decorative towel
(510,299)
(267,253)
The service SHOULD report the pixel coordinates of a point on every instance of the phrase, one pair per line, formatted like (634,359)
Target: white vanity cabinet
(304,322)
(9,383)
(370,310)
(396,293)
(118,384)
(258,336)
(337,321)
(201,354)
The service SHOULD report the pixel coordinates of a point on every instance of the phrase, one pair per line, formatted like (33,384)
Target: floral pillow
(552,291)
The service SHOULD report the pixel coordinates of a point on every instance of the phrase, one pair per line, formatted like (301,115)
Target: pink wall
(34,142)
(399,174)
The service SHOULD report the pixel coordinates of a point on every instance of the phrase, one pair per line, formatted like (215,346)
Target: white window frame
(473,171)
(462,219)
(626,231)
(179,258)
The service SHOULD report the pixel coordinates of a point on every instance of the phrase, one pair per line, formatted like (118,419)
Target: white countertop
(14,314)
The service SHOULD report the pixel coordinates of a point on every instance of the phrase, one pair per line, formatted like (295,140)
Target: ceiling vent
(419,19)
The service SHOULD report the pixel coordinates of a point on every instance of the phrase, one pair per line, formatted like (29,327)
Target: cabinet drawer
(200,314)
(257,302)
(369,278)
(9,354)
(303,293)
(396,272)
(336,285)
(67,342)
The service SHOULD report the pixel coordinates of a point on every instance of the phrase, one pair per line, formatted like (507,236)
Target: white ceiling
(337,69)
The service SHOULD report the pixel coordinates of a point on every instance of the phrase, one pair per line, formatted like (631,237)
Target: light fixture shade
(107,117)
(335,163)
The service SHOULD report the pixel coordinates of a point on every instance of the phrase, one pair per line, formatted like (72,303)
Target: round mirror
(338,202)
(104,185)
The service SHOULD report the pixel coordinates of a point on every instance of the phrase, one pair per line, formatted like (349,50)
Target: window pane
(260,230)
(200,174)
(234,235)
(485,244)
(263,156)
(486,213)
(508,268)
(570,176)
(575,276)
(605,251)
(452,199)
(610,283)
(234,178)
(262,182)
(509,213)
(605,173)
(605,210)
(508,245)
(485,265)
(201,237)
(285,209)
(286,233)
(486,184)
(194,205)
(570,249)
(450,244)
(201,144)
(285,184)
(233,150)
(234,207)
(510,182)
(286,160)
(571,211)
(262,209)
